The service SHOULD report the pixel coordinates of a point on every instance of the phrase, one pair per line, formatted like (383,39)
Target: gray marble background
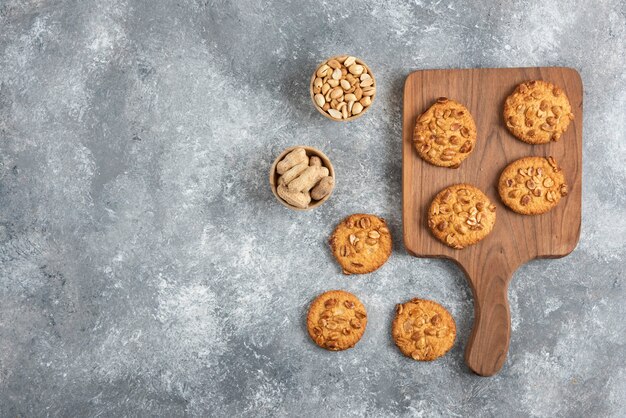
(146,269)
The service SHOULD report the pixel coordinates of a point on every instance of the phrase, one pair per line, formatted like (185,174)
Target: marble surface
(146,269)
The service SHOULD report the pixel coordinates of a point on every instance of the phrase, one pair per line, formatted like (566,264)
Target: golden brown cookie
(336,320)
(423,330)
(361,243)
(532,185)
(445,134)
(537,111)
(461,215)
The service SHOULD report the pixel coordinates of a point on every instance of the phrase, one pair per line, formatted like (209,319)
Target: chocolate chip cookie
(336,320)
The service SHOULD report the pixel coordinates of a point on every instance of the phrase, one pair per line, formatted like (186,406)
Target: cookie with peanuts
(423,330)
(336,320)
(532,185)
(461,215)
(445,134)
(537,112)
(361,243)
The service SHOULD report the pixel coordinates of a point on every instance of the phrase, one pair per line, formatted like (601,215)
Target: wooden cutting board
(515,239)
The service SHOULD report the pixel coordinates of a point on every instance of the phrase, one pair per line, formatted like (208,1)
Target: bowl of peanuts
(343,88)
(302,178)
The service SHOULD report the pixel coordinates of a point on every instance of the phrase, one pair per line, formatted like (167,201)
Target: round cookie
(361,243)
(336,320)
(445,134)
(461,215)
(423,330)
(537,112)
(532,185)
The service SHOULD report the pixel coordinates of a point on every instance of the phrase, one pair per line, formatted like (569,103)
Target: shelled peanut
(343,87)
(303,178)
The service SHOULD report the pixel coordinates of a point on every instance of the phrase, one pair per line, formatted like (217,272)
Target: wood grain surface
(515,239)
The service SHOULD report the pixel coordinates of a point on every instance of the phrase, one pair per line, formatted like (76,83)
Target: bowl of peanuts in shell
(343,88)
(302,178)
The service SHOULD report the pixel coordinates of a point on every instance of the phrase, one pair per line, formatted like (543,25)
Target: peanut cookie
(423,330)
(336,320)
(361,243)
(532,185)
(445,134)
(461,215)
(537,112)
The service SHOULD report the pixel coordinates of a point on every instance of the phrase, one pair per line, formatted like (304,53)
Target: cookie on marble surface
(336,320)
(537,111)
(423,330)
(445,134)
(461,215)
(532,185)
(361,243)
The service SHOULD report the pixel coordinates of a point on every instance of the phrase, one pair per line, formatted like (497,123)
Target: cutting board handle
(489,341)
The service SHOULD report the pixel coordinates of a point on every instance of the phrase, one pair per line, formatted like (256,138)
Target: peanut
(323,188)
(315,160)
(308,179)
(297,199)
(322,71)
(319,99)
(293,172)
(295,157)
(335,113)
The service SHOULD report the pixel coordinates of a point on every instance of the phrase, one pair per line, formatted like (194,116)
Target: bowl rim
(310,151)
(319,109)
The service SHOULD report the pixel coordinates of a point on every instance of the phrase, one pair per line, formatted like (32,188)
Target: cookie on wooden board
(336,320)
(537,111)
(461,215)
(445,134)
(361,243)
(423,330)
(532,185)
